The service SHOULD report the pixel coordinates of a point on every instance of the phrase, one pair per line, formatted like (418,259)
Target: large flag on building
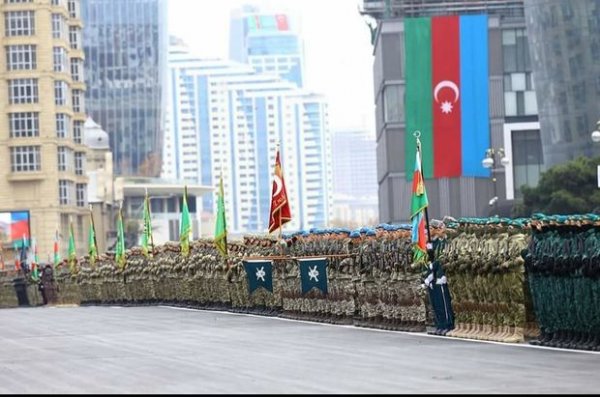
(221,224)
(147,239)
(259,274)
(313,274)
(120,257)
(447,94)
(72,253)
(280,207)
(418,205)
(92,246)
(185,229)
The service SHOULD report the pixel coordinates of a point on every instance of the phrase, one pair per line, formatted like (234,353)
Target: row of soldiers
(505,279)
(563,267)
(370,278)
(486,274)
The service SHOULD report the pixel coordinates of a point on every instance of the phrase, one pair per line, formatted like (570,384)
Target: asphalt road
(167,350)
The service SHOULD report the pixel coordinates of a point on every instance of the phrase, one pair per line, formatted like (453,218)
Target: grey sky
(337,48)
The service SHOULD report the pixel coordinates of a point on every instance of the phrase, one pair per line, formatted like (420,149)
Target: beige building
(42,153)
(101,192)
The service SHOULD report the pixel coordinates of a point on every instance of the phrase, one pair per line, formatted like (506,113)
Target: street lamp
(489,162)
(596,138)
(596,133)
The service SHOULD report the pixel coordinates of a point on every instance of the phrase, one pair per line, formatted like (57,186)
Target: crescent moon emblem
(277,181)
(446,84)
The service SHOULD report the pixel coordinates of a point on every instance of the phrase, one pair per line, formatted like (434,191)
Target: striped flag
(418,206)
(447,93)
(56,254)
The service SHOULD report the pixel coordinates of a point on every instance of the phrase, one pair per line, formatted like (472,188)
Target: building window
(81,189)
(63,125)
(65,159)
(77,69)
(17,1)
(24,124)
(527,159)
(78,101)
(392,102)
(20,57)
(19,23)
(25,158)
(73,8)
(23,91)
(79,163)
(60,59)
(56,2)
(58,26)
(65,192)
(60,93)
(519,94)
(74,37)
(77,128)
(515,50)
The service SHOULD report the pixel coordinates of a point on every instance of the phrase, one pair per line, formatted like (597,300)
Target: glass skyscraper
(125,44)
(564,39)
(268,41)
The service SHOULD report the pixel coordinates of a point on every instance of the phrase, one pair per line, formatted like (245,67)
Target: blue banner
(313,274)
(260,274)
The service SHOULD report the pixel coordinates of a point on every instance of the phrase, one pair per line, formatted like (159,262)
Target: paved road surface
(170,350)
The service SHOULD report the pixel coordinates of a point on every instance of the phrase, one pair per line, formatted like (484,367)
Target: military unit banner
(260,274)
(313,274)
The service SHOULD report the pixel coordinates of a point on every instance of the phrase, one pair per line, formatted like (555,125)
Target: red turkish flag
(280,207)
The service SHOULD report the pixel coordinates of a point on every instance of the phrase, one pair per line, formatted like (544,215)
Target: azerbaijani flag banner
(418,204)
(55,248)
(447,94)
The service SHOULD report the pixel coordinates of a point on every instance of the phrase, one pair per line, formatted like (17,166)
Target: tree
(569,188)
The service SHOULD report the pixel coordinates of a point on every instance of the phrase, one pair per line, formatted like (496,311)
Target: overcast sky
(337,48)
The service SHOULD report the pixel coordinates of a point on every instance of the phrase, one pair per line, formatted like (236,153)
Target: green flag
(147,240)
(221,228)
(72,253)
(186,227)
(92,246)
(120,249)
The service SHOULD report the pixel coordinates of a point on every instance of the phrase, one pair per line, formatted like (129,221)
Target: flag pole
(93,227)
(417,135)
(150,219)
(280,225)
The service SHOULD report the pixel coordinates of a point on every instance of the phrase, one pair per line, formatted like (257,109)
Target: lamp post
(596,132)
(490,162)
(596,139)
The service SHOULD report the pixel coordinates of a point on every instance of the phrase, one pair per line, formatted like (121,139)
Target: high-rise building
(125,44)
(227,119)
(269,41)
(459,73)
(354,177)
(564,37)
(42,153)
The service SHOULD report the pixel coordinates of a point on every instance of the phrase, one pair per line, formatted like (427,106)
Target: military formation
(563,267)
(508,280)
(483,262)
